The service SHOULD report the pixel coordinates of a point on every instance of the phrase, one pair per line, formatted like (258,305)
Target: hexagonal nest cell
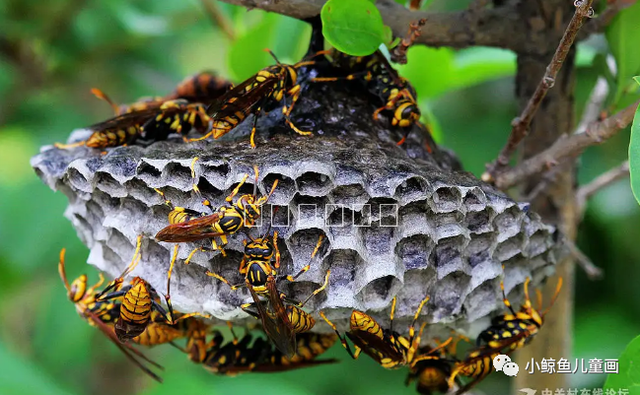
(401,221)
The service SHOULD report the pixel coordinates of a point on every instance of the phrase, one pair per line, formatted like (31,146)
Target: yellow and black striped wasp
(477,365)
(140,305)
(258,355)
(509,332)
(385,346)
(432,375)
(395,93)
(269,86)
(281,317)
(187,225)
(101,314)
(434,368)
(204,87)
(155,118)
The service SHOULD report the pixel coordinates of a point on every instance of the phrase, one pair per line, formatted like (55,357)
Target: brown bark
(556,203)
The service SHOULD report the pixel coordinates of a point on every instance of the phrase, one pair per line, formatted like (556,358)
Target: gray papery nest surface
(398,220)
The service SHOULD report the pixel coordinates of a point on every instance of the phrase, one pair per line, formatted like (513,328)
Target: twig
(565,147)
(600,182)
(605,17)
(494,27)
(521,124)
(399,53)
(218,18)
(594,104)
(548,178)
(593,272)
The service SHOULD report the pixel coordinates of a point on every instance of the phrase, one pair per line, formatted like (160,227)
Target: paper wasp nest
(398,220)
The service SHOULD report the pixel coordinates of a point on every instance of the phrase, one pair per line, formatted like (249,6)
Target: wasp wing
(192,230)
(373,346)
(275,321)
(130,352)
(242,98)
(128,119)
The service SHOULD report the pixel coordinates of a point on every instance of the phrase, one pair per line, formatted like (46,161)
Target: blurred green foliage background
(52,53)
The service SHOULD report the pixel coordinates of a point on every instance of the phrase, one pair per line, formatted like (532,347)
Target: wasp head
(78,289)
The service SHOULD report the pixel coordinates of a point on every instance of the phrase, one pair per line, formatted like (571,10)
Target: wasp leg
(194,184)
(295,92)
(343,340)
(314,293)
(307,267)
(167,296)
(277,250)
(224,280)
(72,145)
(256,115)
(237,188)
(415,319)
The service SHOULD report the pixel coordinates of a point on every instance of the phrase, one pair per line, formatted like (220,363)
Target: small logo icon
(528,391)
(511,369)
(499,361)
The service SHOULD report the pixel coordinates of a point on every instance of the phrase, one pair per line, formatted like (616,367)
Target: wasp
(99,314)
(243,355)
(509,332)
(140,302)
(385,346)
(280,322)
(204,87)
(477,365)
(187,225)
(156,118)
(394,92)
(158,331)
(432,372)
(270,85)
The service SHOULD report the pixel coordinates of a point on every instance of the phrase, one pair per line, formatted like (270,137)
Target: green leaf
(354,27)
(480,64)
(629,368)
(450,70)
(440,76)
(637,79)
(623,35)
(247,55)
(430,120)
(634,158)
(388,37)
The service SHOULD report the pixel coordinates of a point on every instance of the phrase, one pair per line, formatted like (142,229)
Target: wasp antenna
(103,96)
(272,55)
(255,184)
(135,260)
(555,297)
(63,274)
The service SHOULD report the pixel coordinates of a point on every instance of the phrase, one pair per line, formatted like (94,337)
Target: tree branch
(565,147)
(592,271)
(495,27)
(600,182)
(605,17)
(521,124)
(218,18)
